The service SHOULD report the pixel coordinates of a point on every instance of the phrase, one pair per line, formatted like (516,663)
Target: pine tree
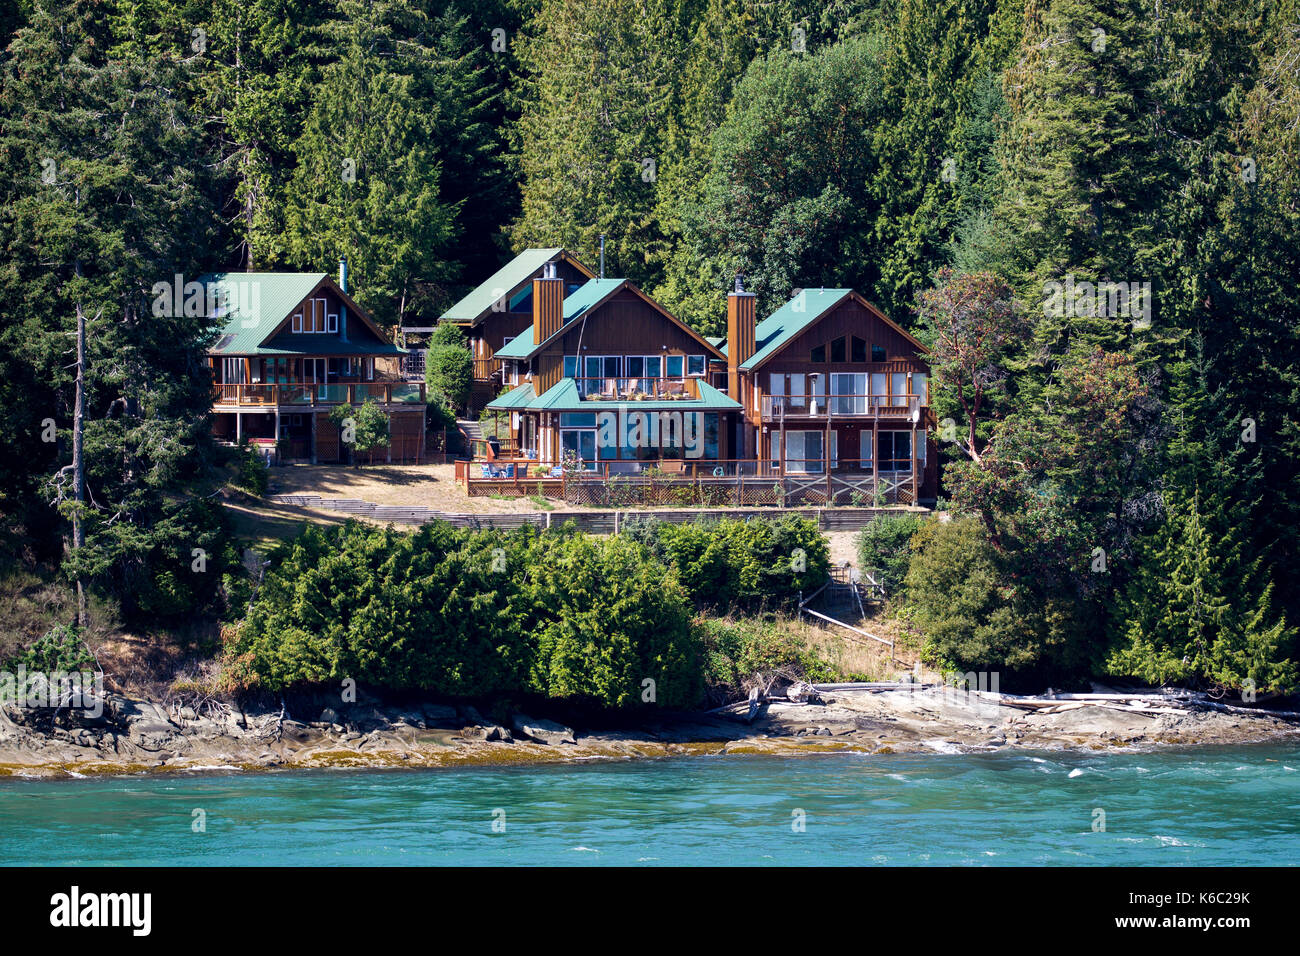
(1080,172)
(1199,604)
(367,183)
(595,97)
(104,204)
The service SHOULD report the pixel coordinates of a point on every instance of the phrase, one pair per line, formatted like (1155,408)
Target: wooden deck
(693,483)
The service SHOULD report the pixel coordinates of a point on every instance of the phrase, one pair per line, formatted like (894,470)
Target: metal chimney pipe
(602,255)
(343,307)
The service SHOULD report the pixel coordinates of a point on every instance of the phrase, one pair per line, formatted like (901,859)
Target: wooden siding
(849,318)
(624,325)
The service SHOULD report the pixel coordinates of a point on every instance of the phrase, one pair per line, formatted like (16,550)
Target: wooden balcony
(299,396)
(486,368)
(638,389)
(896,408)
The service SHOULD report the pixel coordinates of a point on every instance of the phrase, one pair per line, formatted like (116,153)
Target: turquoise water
(1211,806)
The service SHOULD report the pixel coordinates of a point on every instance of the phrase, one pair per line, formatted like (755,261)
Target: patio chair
(510,470)
(487,471)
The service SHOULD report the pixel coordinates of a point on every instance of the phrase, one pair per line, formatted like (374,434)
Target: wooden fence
(593,522)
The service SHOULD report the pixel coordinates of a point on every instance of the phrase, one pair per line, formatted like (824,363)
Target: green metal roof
(502,282)
(776,331)
(258,302)
(288,343)
(517,399)
(577,304)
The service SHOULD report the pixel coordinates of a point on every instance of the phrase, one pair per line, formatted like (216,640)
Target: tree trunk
(78,459)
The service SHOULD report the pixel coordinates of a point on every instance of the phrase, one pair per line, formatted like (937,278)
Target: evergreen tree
(367,183)
(105,203)
(595,97)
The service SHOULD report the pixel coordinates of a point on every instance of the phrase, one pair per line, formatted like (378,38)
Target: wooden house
(832,387)
(607,375)
(495,312)
(293,347)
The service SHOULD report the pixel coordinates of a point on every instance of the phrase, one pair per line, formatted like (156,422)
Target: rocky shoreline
(138,736)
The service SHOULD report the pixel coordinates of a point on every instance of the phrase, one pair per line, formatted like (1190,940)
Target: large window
(838,351)
(232,371)
(858,352)
(805,451)
(895,451)
(581,442)
(849,394)
(674,364)
(695,365)
(898,386)
(877,353)
(570,366)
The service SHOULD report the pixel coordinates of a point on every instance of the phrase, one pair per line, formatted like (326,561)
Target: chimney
(740,336)
(548,304)
(602,255)
(343,308)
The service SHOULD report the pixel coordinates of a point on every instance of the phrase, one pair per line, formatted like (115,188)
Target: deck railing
(298,394)
(819,406)
(693,481)
(638,389)
(485,368)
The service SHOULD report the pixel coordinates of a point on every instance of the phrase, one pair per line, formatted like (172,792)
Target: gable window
(674,365)
(858,350)
(837,350)
(297,322)
(332,322)
(818,356)
(877,353)
(695,365)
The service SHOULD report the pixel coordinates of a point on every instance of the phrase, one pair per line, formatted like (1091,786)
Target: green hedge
(741,565)
(559,614)
(463,613)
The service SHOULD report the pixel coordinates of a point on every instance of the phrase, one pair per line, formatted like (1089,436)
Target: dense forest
(1089,210)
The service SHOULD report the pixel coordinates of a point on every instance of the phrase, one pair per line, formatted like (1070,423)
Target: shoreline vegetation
(360,646)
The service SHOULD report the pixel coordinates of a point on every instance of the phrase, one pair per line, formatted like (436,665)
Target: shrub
(448,366)
(742,564)
(883,547)
(464,613)
(368,424)
(59,649)
(251,473)
(976,615)
(735,652)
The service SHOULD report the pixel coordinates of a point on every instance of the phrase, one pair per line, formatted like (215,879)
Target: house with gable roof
(294,346)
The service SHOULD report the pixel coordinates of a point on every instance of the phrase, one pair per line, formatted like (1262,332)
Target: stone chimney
(740,336)
(548,304)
